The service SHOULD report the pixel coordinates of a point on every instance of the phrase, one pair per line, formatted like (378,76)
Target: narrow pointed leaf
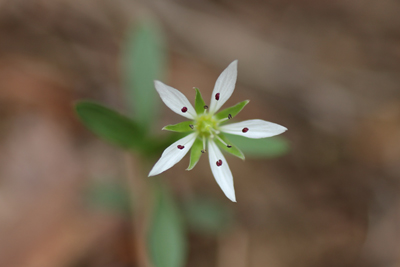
(195,153)
(143,61)
(232,110)
(182,127)
(109,124)
(199,102)
(261,148)
(167,241)
(234,150)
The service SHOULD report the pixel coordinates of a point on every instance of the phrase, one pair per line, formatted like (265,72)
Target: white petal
(222,174)
(224,86)
(256,128)
(173,154)
(175,100)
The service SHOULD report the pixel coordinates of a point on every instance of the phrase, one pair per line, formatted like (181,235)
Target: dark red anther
(245,129)
(217,96)
(219,162)
(181,147)
(184,109)
(229,146)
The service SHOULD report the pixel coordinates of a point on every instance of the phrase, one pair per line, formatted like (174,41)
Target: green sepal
(234,150)
(199,102)
(195,153)
(232,110)
(185,126)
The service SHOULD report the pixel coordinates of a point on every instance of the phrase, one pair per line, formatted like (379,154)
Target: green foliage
(207,215)
(143,62)
(195,153)
(180,127)
(261,148)
(109,124)
(199,102)
(232,110)
(167,240)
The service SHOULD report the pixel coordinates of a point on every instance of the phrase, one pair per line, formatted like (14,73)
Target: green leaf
(234,150)
(199,102)
(109,124)
(167,241)
(232,110)
(143,62)
(195,153)
(261,148)
(182,127)
(207,215)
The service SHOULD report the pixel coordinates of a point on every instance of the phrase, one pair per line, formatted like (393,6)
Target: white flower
(206,131)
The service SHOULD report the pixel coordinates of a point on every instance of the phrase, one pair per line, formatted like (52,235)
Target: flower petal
(175,100)
(222,173)
(224,87)
(253,128)
(173,154)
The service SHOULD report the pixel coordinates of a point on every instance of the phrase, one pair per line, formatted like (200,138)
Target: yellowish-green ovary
(205,125)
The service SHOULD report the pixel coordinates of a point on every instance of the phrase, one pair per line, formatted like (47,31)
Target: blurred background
(327,70)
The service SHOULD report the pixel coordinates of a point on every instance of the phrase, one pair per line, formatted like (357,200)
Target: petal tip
(234,64)
(232,198)
(154,173)
(158,85)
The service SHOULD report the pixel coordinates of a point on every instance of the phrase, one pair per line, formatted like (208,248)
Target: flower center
(206,125)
